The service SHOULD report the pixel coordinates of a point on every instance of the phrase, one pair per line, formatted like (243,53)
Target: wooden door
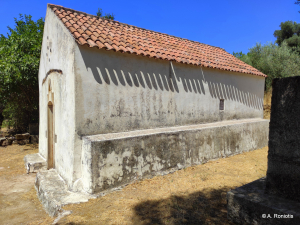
(50,137)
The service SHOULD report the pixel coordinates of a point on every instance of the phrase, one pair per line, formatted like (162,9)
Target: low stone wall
(111,160)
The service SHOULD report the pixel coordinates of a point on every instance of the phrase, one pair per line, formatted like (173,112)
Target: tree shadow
(138,74)
(169,77)
(222,90)
(204,207)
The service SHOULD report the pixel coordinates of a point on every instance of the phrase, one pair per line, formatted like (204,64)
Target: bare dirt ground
(196,195)
(18,201)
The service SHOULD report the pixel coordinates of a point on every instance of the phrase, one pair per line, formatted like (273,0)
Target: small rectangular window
(221,104)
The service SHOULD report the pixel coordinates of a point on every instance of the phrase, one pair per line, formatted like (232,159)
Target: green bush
(19,64)
(273,60)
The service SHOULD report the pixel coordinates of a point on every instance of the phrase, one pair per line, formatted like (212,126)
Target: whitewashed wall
(119,92)
(58,53)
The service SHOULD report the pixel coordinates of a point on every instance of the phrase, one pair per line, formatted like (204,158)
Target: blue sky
(235,25)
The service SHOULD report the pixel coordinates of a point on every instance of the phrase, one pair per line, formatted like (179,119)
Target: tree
(273,60)
(19,64)
(107,15)
(1,114)
(290,33)
(245,58)
(297,3)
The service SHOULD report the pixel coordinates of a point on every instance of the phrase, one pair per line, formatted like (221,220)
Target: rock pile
(6,141)
(20,139)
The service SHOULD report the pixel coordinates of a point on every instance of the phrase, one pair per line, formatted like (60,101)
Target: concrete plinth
(111,160)
(250,205)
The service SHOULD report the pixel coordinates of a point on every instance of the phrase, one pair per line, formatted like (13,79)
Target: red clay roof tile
(72,29)
(113,35)
(82,41)
(91,43)
(100,45)
(76,34)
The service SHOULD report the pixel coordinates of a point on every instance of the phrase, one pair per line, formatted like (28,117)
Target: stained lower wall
(110,160)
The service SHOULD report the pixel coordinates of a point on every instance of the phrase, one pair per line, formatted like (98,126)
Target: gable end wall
(58,54)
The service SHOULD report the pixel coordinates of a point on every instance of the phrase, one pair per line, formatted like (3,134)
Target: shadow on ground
(206,207)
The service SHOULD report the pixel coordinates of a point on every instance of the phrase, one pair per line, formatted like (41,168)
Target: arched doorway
(50,127)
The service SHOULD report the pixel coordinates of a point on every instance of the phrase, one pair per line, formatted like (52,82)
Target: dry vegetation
(267,104)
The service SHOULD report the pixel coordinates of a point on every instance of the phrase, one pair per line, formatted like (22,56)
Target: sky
(235,25)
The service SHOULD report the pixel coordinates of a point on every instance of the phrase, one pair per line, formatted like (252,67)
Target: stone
(60,216)
(34,163)
(10,140)
(22,136)
(5,143)
(2,140)
(53,194)
(34,139)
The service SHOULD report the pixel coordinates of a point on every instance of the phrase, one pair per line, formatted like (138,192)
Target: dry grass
(11,158)
(195,195)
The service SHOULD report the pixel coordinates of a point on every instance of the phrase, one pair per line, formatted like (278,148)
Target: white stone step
(53,193)
(34,163)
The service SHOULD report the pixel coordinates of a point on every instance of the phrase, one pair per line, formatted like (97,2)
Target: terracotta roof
(97,32)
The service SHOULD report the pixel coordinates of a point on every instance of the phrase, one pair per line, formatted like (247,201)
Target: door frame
(50,136)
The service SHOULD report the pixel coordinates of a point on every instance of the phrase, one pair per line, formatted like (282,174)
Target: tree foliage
(273,60)
(19,65)
(297,3)
(107,15)
(290,33)
(245,58)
